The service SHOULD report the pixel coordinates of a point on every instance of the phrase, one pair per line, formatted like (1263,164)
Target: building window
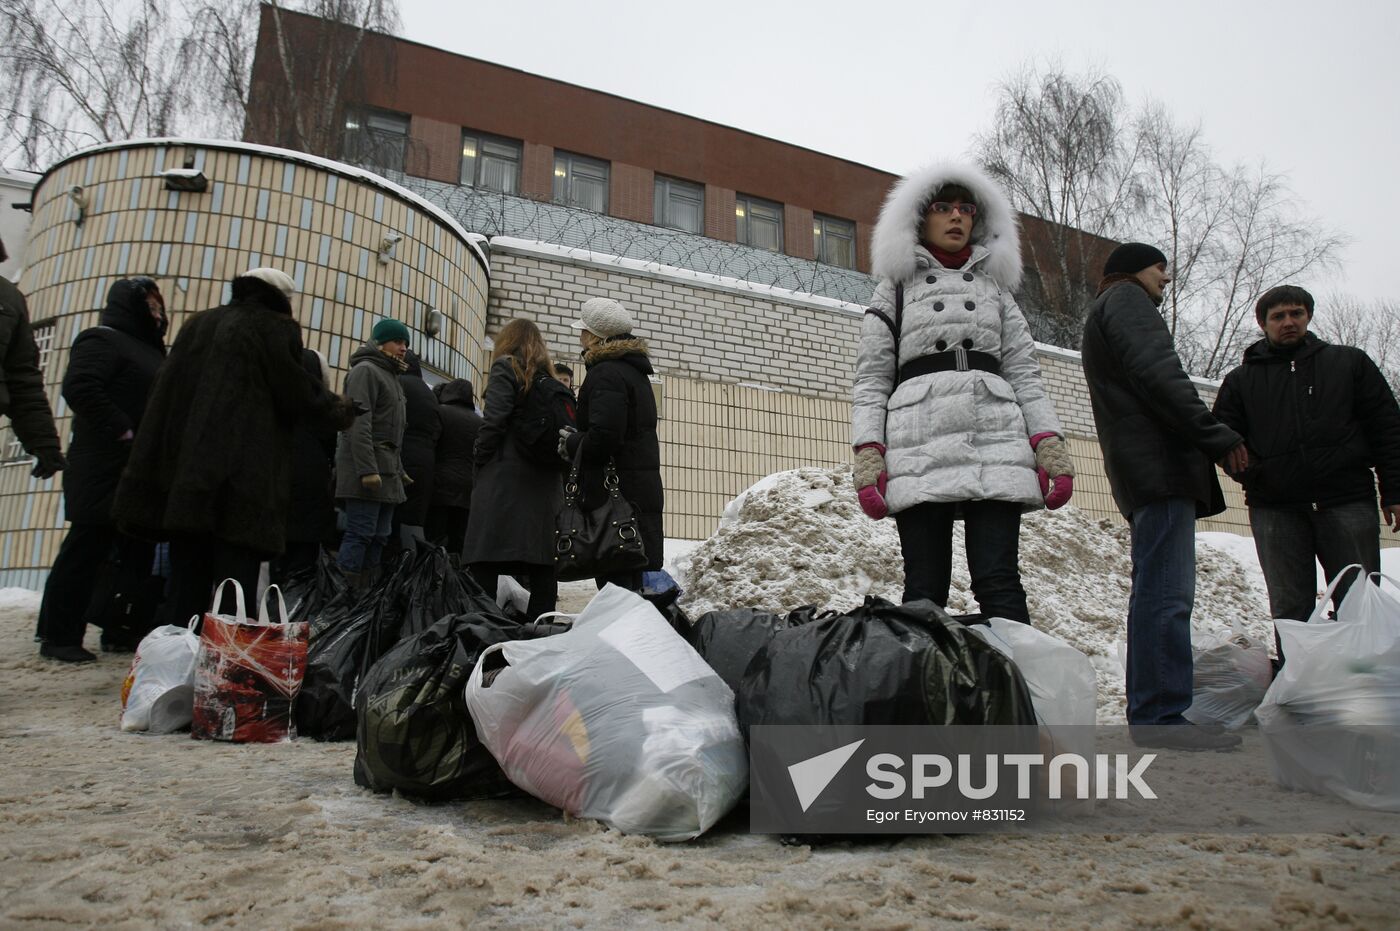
(490,163)
(11,449)
(376,139)
(759,222)
(580,182)
(834,241)
(680,205)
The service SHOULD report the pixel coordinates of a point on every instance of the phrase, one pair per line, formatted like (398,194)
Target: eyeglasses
(967,210)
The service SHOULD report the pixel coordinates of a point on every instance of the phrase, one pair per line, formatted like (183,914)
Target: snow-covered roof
(474,241)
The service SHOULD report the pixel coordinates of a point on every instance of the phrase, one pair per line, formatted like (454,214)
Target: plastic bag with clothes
(158,693)
(619,720)
(1231,673)
(1331,719)
(729,640)
(882,664)
(413,731)
(311,589)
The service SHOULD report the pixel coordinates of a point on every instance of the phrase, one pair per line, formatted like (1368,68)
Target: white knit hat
(276,277)
(604,317)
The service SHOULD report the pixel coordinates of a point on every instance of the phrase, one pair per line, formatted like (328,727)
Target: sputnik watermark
(1116,775)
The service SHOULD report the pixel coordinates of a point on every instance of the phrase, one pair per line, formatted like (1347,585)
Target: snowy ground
(104,829)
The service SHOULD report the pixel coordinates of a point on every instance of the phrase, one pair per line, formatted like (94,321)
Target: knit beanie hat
(276,277)
(1131,258)
(604,317)
(386,331)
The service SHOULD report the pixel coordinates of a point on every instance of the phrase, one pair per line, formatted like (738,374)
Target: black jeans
(543,586)
(82,585)
(447,527)
(197,564)
(1291,542)
(993,535)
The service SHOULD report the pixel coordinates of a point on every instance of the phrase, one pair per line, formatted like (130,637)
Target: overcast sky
(1309,87)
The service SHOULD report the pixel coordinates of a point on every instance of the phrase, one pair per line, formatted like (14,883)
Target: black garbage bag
(310,589)
(414,733)
(349,635)
(729,640)
(882,664)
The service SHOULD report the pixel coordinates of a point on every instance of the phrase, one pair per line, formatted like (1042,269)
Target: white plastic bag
(617,719)
(1331,719)
(511,594)
(158,694)
(1063,687)
(1231,673)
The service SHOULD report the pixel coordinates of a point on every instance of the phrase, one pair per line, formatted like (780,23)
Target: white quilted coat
(951,436)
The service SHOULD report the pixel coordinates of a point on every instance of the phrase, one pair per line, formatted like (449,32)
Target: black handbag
(603,541)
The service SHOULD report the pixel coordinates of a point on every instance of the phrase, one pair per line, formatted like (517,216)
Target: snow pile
(799,538)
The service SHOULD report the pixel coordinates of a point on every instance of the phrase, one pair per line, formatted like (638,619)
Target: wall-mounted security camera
(432,322)
(80,200)
(386,247)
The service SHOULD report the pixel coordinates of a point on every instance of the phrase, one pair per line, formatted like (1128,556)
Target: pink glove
(1056,491)
(871,479)
(1052,456)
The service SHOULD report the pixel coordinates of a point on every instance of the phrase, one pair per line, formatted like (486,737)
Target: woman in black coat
(311,518)
(422,427)
(617,421)
(211,469)
(515,501)
(452,474)
(110,372)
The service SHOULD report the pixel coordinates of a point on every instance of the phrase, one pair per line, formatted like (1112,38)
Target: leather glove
(870,480)
(48,463)
(1054,468)
(371,482)
(563,448)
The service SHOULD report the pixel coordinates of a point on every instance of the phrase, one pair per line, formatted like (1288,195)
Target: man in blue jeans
(1159,440)
(369,472)
(1318,418)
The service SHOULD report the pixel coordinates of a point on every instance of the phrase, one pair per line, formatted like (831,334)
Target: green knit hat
(386,331)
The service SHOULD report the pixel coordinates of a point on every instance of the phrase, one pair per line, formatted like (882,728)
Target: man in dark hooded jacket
(422,427)
(22,394)
(1318,418)
(211,469)
(110,372)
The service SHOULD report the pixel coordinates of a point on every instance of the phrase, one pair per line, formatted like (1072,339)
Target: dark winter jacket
(22,394)
(1159,439)
(1317,419)
(111,369)
(422,427)
(371,445)
(452,478)
(515,502)
(617,421)
(312,515)
(213,456)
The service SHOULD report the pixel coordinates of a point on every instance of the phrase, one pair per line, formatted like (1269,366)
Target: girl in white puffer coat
(949,416)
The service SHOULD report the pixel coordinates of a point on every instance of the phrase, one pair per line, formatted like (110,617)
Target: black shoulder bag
(895,325)
(603,541)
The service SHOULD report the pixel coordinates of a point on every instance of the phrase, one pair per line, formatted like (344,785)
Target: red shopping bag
(247,673)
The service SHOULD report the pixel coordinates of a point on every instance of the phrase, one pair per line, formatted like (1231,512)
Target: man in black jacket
(110,372)
(1158,440)
(22,394)
(1318,418)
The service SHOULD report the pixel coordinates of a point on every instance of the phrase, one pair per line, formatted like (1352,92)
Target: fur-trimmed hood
(617,348)
(895,249)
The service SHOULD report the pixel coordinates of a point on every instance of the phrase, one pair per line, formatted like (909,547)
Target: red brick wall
(631,192)
(863,233)
(537,171)
(797,232)
(720,222)
(435,151)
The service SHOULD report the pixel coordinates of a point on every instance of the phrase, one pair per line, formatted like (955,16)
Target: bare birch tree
(1370,325)
(1062,146)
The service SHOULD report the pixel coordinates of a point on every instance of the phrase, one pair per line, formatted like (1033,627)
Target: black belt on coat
(956,359)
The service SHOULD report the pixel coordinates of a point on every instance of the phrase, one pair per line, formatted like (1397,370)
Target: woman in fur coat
(950,419)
